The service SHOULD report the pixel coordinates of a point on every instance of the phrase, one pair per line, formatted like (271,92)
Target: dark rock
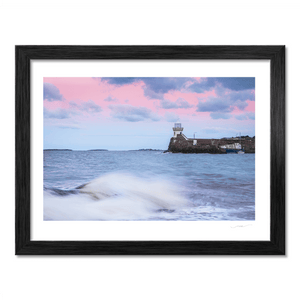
(211,146)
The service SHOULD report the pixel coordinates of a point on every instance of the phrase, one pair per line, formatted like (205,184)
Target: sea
(148,186)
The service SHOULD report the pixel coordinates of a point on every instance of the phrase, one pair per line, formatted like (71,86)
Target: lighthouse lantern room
(177,129)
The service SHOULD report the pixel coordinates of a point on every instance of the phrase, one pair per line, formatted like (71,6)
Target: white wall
(148,22)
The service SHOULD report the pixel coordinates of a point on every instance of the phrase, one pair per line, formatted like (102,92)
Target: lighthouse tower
(177,129)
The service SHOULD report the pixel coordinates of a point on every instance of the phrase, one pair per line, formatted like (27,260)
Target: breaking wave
(115,196)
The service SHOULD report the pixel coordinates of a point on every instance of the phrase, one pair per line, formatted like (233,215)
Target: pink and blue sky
(128,113)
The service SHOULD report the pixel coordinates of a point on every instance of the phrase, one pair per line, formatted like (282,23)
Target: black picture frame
(23,244)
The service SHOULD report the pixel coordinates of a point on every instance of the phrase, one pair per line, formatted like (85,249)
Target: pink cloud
(84,91)
(251,106)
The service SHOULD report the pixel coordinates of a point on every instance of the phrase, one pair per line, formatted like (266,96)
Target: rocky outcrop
(180,144)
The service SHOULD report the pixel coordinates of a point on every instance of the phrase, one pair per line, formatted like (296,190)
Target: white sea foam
(115,197)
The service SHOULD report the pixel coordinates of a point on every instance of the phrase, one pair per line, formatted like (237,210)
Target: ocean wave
(115,196)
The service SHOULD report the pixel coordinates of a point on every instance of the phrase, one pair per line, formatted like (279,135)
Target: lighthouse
(177,129)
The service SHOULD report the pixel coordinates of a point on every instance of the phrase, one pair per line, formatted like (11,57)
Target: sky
(130,113)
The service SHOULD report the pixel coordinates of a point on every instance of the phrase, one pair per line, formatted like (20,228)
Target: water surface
(148,185)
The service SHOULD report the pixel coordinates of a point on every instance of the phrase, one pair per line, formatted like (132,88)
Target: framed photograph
(150,150)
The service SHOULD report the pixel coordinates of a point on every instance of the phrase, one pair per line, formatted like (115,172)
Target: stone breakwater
(181,144)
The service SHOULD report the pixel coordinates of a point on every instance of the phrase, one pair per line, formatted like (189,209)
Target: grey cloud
(182,103)
(251,115)
(241,105)
(161,85)
(214,105)
(233,91)
(241,117)
(52,93)
(120,80)
(226,101)
(153,95)
(242,95)
(232,83)
(74,109)
(237,83)
(156,84)
(73,104)
(69,127)
(110,99)
(154,87)
(167,104)
(132,113)
(165,84)
(59,113)
(89,106)
(217,115)
(246,116)
(205,84)
(179,103)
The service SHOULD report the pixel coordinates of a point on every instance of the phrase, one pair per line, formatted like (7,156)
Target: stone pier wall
(182,145)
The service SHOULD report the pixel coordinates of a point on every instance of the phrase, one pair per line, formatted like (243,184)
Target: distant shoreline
(148,150)
(58,150)
(102,150)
